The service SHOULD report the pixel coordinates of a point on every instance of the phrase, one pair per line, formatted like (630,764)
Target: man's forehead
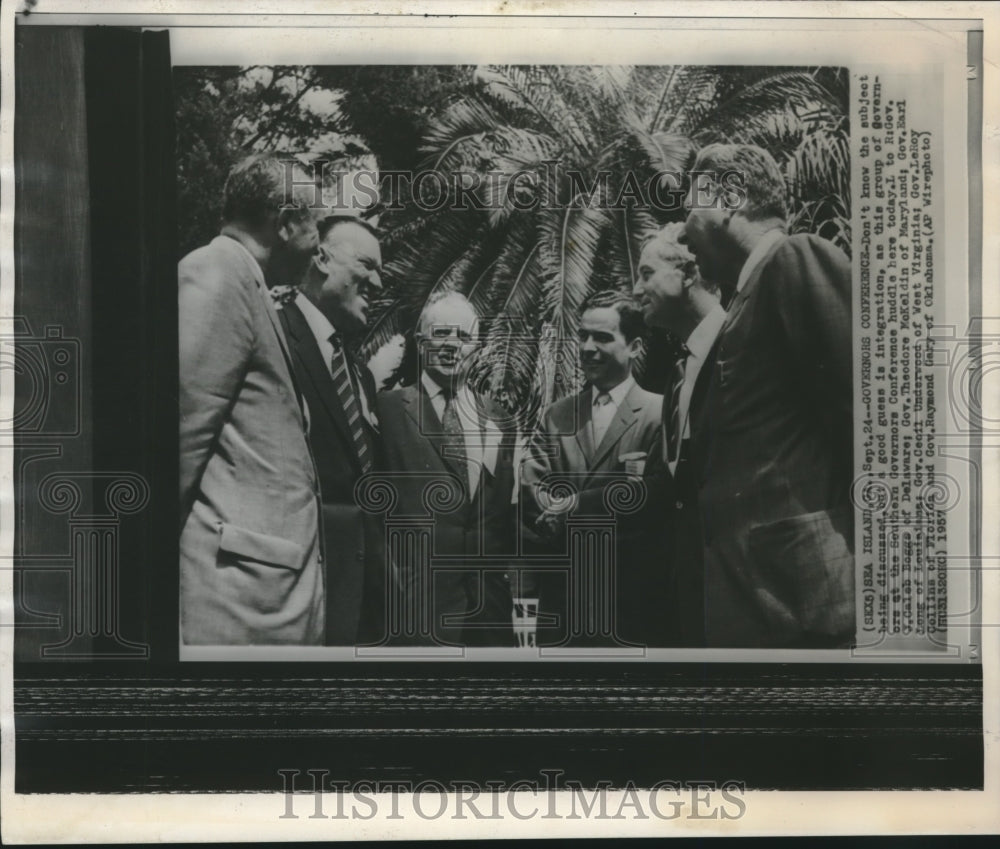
(659,253)
(450,314)
(601,318)
(353,235)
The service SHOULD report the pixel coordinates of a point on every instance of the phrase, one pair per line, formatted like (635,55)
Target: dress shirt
(760,250)
(699,345)
(322,329)
(472,427)
(602,416)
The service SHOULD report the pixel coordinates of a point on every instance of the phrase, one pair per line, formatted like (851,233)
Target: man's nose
(637,287)
(688,202)
(375,281)
(587,344)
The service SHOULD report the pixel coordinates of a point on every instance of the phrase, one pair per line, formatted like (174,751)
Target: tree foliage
(593,142)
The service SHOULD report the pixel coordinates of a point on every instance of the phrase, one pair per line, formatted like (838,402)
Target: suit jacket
(685,536)
(471,604)
(772,456)
(250,550)
(354,546)
(562,447)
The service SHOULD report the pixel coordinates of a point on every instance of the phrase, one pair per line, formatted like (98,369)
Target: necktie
(349,401)
(455,435)
(675,424)
(599,420)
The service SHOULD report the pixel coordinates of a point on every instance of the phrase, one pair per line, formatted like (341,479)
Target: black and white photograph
(501,417)
(493,293)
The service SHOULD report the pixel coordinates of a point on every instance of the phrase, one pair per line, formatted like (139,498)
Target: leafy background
(526,271)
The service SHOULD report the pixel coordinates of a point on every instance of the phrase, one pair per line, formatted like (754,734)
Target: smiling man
(676,298)
(601,436)
(451,452)
(320,321)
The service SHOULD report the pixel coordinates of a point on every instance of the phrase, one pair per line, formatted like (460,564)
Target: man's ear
(322,258)
(636,347)
(286,217)
(282,222)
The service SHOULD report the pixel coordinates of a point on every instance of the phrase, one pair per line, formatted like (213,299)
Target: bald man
(441,435)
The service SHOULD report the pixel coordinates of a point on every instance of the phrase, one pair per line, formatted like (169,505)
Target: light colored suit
(250,548)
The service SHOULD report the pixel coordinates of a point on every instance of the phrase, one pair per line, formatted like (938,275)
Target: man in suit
(321,319)
(451,450)
(600,437)
(249,546)
(772,451)
(675,298)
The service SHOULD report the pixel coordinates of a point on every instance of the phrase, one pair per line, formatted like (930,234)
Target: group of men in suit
(737,531)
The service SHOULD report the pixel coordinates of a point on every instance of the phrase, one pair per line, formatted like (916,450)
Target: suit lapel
(740,298)
(623,420)
(306,347)
(584,432)
(272,315)
(419,408)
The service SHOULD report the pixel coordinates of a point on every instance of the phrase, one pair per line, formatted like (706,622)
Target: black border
(115,728)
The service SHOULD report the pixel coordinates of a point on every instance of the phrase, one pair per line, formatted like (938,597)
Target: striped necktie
(675,425)
(349,401)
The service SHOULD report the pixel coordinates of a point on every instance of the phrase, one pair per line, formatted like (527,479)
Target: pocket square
(635,463)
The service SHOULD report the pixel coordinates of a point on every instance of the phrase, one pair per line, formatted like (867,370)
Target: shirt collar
(434,390)
(318,323)
(617,394)
(430,387)
(700,342)
(760,250)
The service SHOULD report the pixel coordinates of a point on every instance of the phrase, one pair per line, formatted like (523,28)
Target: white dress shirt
(322,329)
(482,439)
(699,344)
(601,416)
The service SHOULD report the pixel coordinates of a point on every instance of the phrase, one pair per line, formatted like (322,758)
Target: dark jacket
(470,597)
(771,456)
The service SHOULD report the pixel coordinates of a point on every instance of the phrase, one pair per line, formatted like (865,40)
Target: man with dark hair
(771,446)
(607,434)
(321,320)
(250,547)
(452,449)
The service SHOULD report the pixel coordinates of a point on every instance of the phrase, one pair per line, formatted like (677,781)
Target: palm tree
(542,144)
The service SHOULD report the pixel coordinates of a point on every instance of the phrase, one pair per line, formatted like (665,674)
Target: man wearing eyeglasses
(450,450)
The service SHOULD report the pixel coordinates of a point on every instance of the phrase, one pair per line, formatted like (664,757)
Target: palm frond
(568,249)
